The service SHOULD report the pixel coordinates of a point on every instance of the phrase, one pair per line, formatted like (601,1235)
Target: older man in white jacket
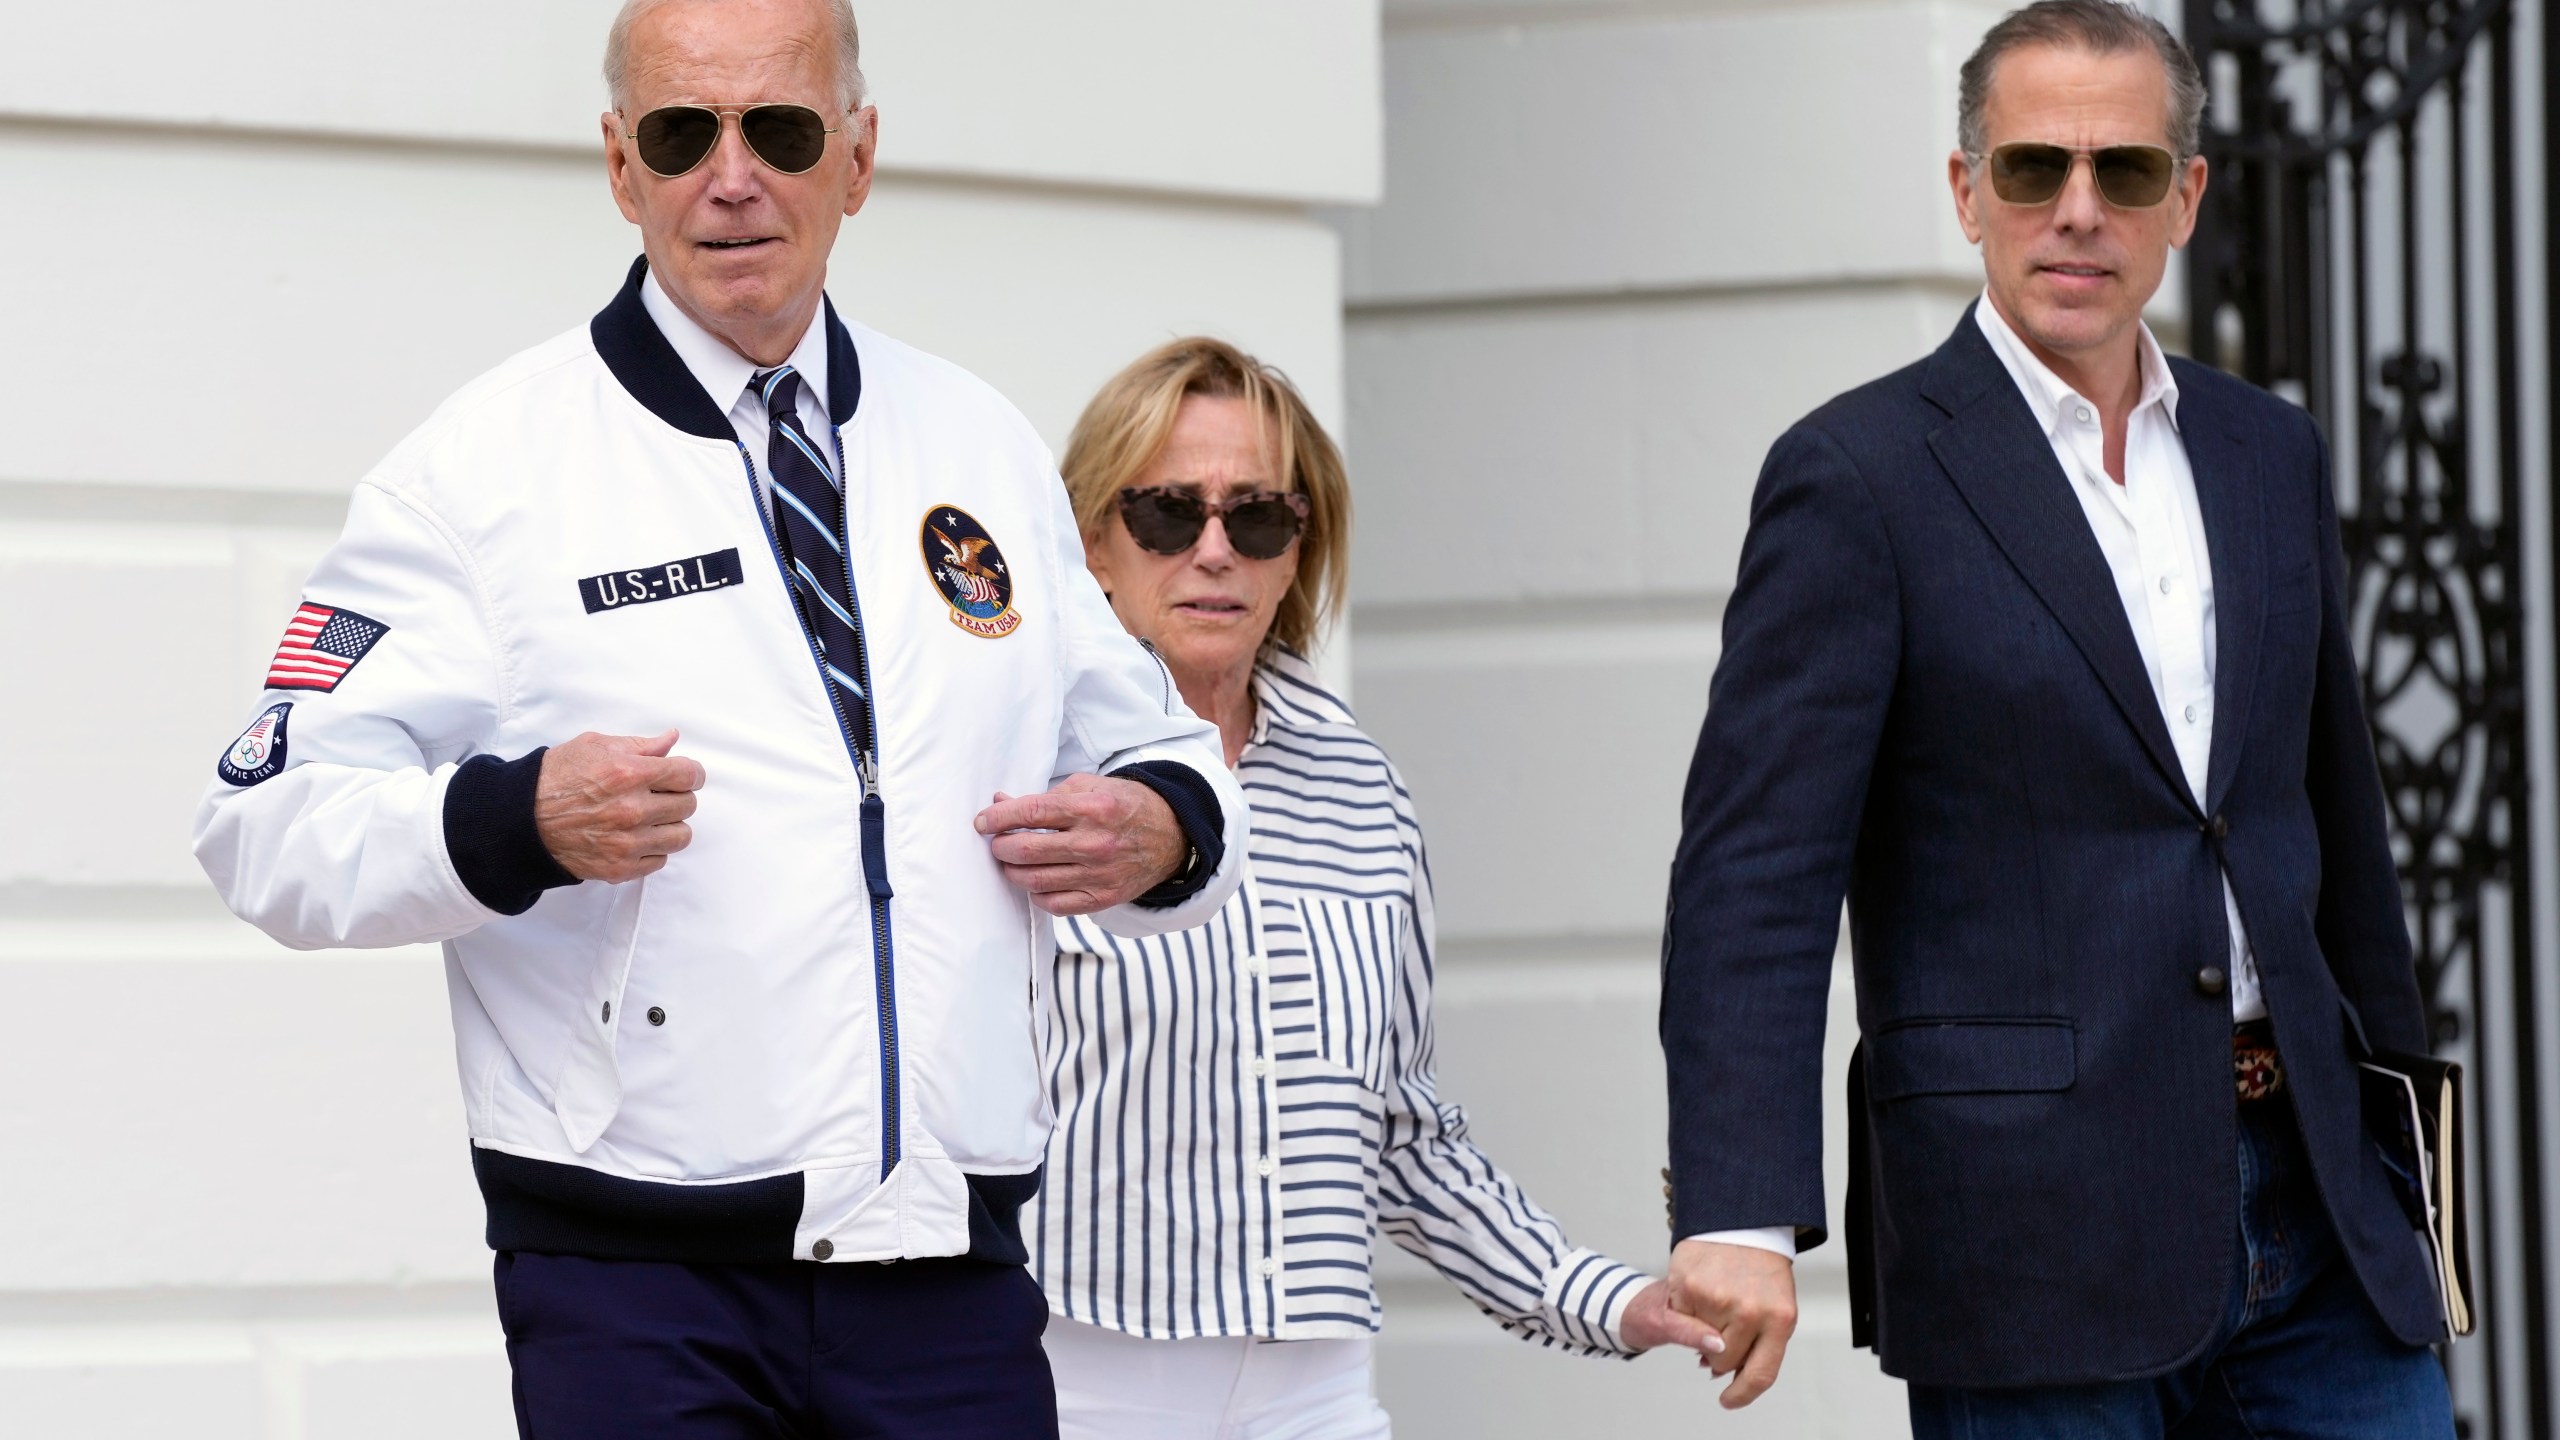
(666,675)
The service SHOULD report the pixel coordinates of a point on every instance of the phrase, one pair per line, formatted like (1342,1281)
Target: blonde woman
(1243,1107)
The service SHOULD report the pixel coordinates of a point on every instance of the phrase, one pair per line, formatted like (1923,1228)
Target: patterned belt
(2255,1069)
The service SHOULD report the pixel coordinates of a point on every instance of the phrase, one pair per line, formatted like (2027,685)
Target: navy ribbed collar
(640,357)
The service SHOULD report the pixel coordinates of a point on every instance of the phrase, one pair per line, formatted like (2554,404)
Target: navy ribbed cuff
(489,832)
(1204,824)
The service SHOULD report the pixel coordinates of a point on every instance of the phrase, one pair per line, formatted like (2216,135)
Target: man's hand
(613,807)
(1092,843)
(1650,1321)
(1749,1296)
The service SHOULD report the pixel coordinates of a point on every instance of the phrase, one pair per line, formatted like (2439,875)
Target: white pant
(1113,1386)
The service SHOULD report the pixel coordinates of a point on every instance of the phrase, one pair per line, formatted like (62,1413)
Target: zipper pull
(875,831)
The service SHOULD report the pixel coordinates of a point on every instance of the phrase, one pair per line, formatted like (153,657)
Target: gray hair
(2101,27)
(617,51)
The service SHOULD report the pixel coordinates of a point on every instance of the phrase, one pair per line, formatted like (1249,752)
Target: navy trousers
(2301,1354)
(653,1350)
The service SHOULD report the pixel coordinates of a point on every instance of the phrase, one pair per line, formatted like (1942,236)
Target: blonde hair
(1124,429)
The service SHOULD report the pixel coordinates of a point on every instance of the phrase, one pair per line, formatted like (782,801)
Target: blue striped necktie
(808,508)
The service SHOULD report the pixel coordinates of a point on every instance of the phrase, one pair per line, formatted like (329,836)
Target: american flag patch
(321,644)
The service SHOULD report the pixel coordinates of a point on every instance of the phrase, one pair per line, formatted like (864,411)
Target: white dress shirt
(2151,530)
(724,375)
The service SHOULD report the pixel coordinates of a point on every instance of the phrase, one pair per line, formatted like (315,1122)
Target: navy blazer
(1930,701)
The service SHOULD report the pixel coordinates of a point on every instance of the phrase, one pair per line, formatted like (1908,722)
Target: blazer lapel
(2232,501)
(2003,465)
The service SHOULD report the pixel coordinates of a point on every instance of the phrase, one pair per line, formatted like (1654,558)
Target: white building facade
(1622,243)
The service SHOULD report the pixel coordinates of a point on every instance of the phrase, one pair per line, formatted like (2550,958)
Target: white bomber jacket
(811,1034)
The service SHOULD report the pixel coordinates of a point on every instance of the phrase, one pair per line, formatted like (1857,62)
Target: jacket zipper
(875,846)
(865,749)
(1162,671)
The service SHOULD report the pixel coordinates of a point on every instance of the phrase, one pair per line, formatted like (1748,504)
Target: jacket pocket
(1970,1057)
(588,1093)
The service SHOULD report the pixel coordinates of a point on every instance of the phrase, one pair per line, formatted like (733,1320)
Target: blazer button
(2211,981)
(2217,827)
(824,1249)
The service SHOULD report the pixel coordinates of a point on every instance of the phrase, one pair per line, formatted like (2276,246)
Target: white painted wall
(1624,244)
(251,245)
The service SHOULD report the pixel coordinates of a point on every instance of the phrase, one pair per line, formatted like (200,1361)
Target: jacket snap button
(657,1016)
(608,1012)
(2211,981)
(824,1249)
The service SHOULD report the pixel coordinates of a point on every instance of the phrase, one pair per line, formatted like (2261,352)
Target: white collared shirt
(724,375)
(2152,532)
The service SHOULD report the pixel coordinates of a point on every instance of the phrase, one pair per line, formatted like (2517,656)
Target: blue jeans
(2301,1354)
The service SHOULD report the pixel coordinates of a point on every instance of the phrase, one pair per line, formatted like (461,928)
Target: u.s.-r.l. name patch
(259,752)
(692,575)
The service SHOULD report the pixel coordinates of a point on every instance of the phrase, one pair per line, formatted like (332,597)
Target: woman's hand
(1650,1321)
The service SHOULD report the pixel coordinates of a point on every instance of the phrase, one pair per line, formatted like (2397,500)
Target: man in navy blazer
(2039,657)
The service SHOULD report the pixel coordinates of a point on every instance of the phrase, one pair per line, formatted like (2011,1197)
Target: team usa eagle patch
(970,572)
(321,644)
(259,752)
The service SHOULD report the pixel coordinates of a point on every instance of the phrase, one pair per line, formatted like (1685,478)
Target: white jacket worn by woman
(812,1033)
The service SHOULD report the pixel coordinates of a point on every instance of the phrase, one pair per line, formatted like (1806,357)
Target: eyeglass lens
(2131,177)
(675,138)
(1169,522)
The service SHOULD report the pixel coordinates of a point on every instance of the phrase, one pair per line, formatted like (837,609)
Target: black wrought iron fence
(2360,251)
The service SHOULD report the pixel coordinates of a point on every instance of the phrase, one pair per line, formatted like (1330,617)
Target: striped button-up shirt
(1243,1107)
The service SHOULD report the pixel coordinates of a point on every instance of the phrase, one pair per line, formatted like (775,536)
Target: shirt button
(1261,1066)
(1270,1268)
(823,1250)
(608,1012)
(2191,714)
(2164,584)
(2083,413)
(1265,1165)
(657,1016)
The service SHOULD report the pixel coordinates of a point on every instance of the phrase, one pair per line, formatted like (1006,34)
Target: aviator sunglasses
(1167,520)
(2131,177)
(673,139)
